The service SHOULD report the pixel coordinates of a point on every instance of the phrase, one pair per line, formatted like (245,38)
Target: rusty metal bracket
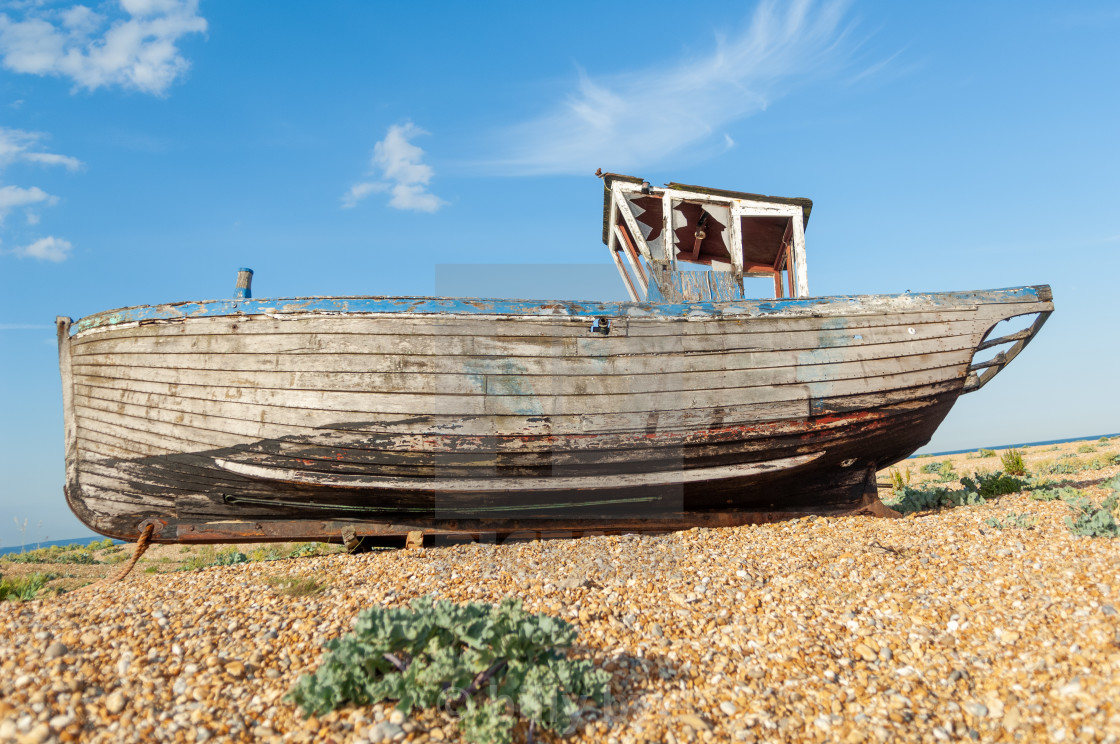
(156,524)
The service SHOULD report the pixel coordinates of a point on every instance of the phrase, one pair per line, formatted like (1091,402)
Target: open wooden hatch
(689,243)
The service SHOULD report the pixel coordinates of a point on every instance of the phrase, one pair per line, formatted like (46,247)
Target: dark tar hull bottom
(188,498)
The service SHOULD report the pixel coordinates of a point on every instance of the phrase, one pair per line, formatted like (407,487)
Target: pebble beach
(934,627)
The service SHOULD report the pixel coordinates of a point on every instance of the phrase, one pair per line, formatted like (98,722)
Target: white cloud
(634,120)
(360,191)
(17,196)
(50,158)
(136,51)
(415,197)
(404,175)
(18,146)
(46,249)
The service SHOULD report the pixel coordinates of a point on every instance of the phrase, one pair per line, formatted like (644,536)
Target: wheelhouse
(685,243)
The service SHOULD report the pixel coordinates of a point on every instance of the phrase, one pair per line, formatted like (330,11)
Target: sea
(1014,446)
(34,545)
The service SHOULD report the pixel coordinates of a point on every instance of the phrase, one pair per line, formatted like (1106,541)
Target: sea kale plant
(977,489)
(1012,521)
(938,467)
(481,661)
(1092,521)
(909,499)
(989,485)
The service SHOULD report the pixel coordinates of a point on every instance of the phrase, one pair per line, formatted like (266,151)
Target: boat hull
(315,418)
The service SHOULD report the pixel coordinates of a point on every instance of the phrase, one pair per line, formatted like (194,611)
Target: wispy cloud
(12,197)
(403,174)
(18,146)
(134,48)
(360,191)
(51,248)
(637,119)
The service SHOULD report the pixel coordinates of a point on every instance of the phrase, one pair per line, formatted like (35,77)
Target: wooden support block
(414,541)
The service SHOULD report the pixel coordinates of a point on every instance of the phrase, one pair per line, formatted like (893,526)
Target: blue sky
(148,148)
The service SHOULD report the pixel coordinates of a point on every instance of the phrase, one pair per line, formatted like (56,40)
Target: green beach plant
(207,557)
(78,554)
(898,479)
(926,498)
(1070,464)
(308,549)
(296,586)
(480,661)
(1012,521)
(262,553)
(1013,463)
(1064,493)
(1093,521)
(986,453)
(989,485)
(23,588)
(229,557)
(935,467)
(1061,466)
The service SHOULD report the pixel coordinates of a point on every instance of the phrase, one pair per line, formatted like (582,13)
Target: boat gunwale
(436,307)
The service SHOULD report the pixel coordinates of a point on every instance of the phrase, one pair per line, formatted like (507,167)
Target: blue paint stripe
(470,306)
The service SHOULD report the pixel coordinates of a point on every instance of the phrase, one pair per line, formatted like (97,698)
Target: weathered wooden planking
(627,364)
(176,419)
(507,382)
(281,421)
(462,454)
(402,445)
(319,405)
(483,342)
(204,476)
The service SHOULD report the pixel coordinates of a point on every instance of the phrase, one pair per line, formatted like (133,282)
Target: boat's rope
(141,546)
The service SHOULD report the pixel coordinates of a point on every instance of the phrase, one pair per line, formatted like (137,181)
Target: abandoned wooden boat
(336,418)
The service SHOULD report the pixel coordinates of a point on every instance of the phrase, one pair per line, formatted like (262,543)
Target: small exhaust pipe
(244,288)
